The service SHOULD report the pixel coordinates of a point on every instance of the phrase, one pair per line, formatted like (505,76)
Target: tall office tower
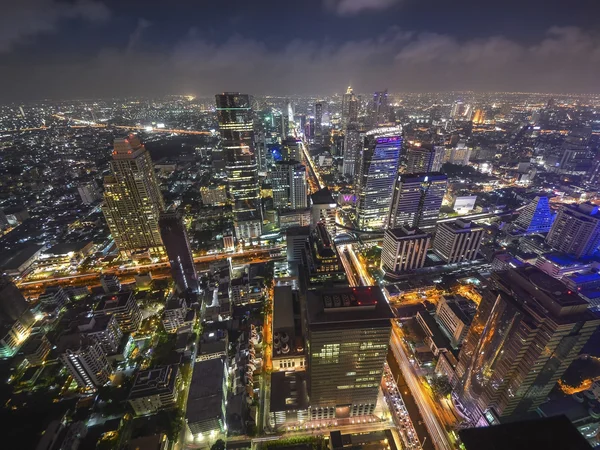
(536,217)
(404,249)
(15,318)
(290,190)
(132,198)
(576,230)
(417,200)
(457,241)
(177,246)
(528,329)
(423,159)
(377,173)
(352,147)
(380,109)
(260,144)
(321,261)
(459,155)
(236,127)
(318,135)
(88,193)
(86,362)
(348,334)
(291,150)
(349,107)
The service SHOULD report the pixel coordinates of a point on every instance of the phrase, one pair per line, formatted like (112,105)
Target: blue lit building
(377,173)
(536,217)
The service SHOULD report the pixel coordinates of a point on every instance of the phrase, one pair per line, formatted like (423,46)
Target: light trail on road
(436,430)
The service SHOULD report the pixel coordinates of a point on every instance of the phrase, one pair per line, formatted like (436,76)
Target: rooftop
(288,391)
(554,433)
(322,197)
(154,381)
(345,305)
(404,232)
(206,390)
(111,301)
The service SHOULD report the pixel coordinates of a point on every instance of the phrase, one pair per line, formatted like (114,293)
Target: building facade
(86,362)
(179,252)
(417,200)
(576,230)
(527,330)
(290,190)
(424,160)
(457,241)
(132,198)
(349,332)
(378,171)
(404,249)
(536,217)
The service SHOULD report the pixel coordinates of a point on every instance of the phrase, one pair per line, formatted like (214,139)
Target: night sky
(94,48)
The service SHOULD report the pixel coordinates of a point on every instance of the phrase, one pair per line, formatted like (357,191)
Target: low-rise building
(436,339)
(205,412)
(455,314)
(36,349)
(104,330)
(155,389)
(110,283)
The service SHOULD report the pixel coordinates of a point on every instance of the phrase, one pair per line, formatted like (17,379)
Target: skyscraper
(536,217)
(417,200)
(380,109)
(576,230)
(291,150)
(132,198)
(15,318)
(318,122)
(290,190)
(378,170)
(404,249)
(457,241)
(423,159)
(348,333)
(528,329)
(237,128)
(352,147)
(349,107)
(177,246)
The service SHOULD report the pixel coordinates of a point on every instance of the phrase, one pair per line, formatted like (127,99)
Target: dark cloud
(561,60)
(25,19)
(352,7)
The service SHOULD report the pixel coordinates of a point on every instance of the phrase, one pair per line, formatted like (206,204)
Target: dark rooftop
(348,304)
(554,433)
(322,197)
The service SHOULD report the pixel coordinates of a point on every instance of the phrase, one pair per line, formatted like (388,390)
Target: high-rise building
(132,198)
(236,127)
(528,329)
(424,159)
(458,155)
(576,230)
(291,150)
(536,217)
(576,153)
(348,334)
(214,195)
(290,190)
(404,249)
(377,173)
(318,136)
(457,241)
(380,108)
(353,143)
(85,360)
(16,320)
(417,200)
(349,107)
(177,246)
(321,260)
(89,193)
(295,238)
(458,109)
(323,209)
